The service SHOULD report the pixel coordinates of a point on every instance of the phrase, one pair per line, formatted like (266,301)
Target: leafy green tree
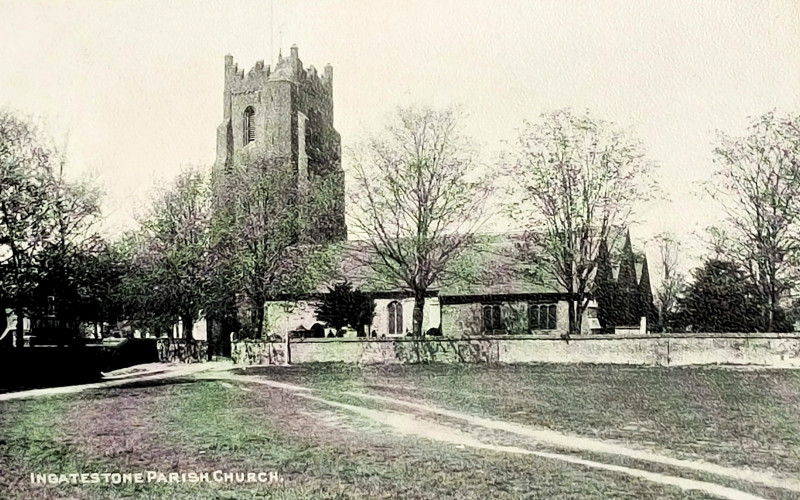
(344,306)
(627,286)
(101,296)
(46,223)
(606,290)
(26,163)
(262,243)
(166,279)
(66,264)
(47,227)
(721,299)
(645,301)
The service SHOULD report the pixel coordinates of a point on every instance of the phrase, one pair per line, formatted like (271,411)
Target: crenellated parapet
(237,81)
(286,69)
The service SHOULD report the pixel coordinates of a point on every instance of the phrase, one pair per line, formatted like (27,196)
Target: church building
(286,113)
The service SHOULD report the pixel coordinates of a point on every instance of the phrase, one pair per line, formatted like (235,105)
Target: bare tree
(671,280)
(579,178)
(757,182)
(418,199)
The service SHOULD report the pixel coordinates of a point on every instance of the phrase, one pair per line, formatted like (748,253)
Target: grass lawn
(730,417)
(200,426)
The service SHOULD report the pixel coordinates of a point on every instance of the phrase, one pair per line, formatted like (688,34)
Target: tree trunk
(230,329)
(20,327)
(259,319)
(188,327)
(3,321)
(773,302)
(213,336)
(571,310)
(580,307)
(571,316)
(419,310)
(287,357)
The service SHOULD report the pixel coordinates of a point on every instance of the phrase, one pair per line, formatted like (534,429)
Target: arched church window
(492,318)
(395,318)
(249,125)
(543,316)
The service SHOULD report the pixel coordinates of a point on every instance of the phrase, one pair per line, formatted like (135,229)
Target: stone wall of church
(455,320)
(431,317)
(284,316)
(466,320)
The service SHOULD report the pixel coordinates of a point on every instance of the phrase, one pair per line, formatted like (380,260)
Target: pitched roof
(488,265)
(495,265)
(491,264)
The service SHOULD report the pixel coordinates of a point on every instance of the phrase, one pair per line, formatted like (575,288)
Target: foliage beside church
(624,300)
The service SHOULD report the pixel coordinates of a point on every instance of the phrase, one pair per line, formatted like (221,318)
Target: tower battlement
(287,68)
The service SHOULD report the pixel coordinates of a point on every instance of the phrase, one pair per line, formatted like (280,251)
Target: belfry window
(249,125)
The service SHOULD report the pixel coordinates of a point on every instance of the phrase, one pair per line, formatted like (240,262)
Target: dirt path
(411,424)
(562,440)
(408,423)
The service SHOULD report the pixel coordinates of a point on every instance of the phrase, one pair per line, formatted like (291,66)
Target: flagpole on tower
(271,26)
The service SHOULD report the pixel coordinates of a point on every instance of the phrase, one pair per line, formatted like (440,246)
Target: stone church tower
(286,114)
(284,117)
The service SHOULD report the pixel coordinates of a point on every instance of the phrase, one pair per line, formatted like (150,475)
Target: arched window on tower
(395,318)
(249,125)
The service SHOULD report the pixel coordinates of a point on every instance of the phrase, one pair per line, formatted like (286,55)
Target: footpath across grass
(185,426)
(210,425)
(728,416)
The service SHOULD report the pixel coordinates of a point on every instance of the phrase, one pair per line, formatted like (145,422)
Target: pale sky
(135,87)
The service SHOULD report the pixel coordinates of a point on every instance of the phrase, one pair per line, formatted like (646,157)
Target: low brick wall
(765,350)
(252,352)
(182,350)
